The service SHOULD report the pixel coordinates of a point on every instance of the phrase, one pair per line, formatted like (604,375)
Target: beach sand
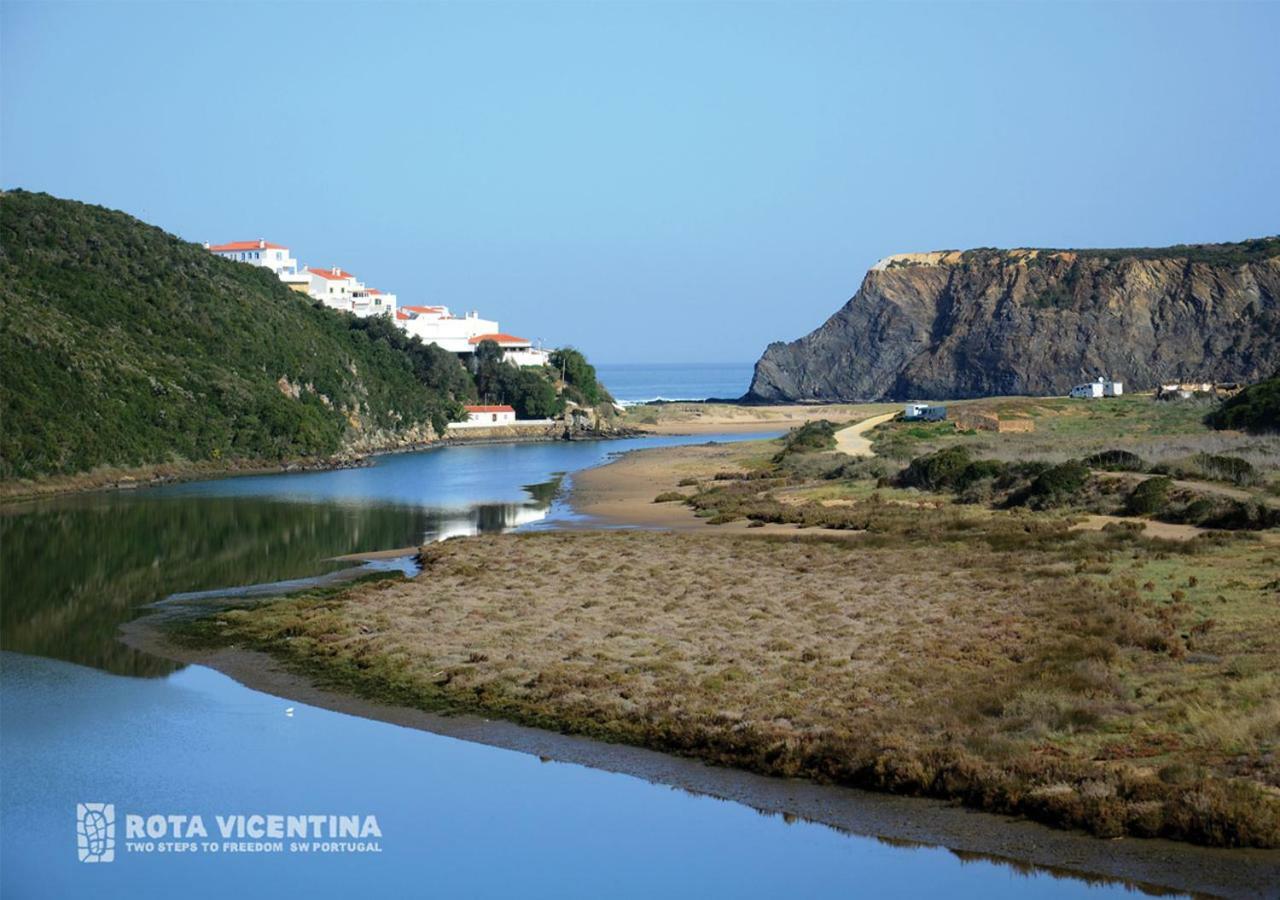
(728,418)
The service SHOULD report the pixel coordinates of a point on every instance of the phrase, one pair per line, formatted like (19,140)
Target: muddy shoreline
(1152,866)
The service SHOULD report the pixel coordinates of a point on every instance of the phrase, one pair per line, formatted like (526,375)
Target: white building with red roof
(491,415)
(436,325)
(339,289)
(516,350)
(333,287)
(258,253)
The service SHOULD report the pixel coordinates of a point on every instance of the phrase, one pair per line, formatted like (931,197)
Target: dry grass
(1166,433)
(1100,680)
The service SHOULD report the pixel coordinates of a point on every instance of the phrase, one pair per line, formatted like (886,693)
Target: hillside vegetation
(1255,409)
(123,346)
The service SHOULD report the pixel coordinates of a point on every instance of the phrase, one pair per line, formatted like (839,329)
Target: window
(495,417)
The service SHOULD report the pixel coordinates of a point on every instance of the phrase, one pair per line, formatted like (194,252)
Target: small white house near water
(491,415)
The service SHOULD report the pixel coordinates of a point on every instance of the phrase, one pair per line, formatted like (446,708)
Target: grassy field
(1094,679)
(1157,431)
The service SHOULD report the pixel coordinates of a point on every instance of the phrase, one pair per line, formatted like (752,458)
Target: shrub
(980,470)
(1150,497)
(1058,484)
(1226,468)
(1255,409)
(1116,461)
(937,471)
(670,497)
(808,438)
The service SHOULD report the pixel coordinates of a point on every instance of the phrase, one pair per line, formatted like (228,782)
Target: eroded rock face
(980,323)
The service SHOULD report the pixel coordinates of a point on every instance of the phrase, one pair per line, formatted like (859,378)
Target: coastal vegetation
(579,377)
(126,348)
(1102,680)
(1076,624)
(1255,409)
(531,391)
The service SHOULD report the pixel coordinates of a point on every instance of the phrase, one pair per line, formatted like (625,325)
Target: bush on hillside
(1116,461)
(1061,482)
(811,437)
(1255,409)
(1226,468)
(937,471)
(1150,497)
(581,384)
(528,390)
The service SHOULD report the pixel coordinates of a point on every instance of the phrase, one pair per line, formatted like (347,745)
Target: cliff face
(985,322)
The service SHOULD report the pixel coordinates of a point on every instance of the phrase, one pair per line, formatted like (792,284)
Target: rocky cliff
(983,322)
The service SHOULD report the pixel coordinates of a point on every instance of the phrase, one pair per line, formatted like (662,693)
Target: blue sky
(651,181)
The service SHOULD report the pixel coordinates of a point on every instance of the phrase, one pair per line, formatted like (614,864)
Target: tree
(487,354)
(579,375)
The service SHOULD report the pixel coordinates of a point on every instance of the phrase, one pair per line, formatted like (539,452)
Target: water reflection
(72,572)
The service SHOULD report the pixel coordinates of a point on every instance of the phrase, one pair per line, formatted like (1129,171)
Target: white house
(1100,388)
(516,350)
(333,287)
(490,415)
(373,302)
(436,325)
(258,253)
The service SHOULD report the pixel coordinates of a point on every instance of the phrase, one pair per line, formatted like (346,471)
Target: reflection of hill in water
(71,572)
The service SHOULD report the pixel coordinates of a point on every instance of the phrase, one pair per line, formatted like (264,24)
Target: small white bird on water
(289,711)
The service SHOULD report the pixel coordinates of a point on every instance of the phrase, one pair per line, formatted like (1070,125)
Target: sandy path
(1167,530)
(853,440)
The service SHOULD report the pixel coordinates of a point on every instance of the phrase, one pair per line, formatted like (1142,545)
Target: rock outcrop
(987,322)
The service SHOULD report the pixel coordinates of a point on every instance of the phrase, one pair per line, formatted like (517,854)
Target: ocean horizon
(632,383)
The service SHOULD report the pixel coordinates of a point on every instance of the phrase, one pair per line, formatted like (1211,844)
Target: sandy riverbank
(729,418)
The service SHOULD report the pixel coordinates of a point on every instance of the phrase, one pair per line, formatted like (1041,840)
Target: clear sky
(652,181)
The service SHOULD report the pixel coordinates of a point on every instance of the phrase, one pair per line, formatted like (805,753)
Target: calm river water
(85,719)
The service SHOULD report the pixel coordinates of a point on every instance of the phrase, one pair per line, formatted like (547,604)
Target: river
(87,719)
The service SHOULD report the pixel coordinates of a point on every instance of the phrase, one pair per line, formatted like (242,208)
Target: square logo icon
(96,832)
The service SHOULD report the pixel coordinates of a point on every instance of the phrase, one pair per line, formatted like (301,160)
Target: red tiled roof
(401,316)
(328,273)
(423,309)
(246,245)
(498,338)
(490,409)
(374,291)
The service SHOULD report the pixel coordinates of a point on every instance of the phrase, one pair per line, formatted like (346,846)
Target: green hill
(1255,409)
(121,345)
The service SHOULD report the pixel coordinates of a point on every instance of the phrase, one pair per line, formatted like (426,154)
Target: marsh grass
(995,659)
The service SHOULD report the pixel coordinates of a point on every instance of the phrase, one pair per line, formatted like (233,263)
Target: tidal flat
(1099,680)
